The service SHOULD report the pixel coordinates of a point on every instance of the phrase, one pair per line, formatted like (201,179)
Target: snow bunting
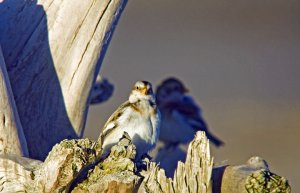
(180,116)
(139,117)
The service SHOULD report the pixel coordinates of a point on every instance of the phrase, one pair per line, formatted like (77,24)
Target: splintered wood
(193,176)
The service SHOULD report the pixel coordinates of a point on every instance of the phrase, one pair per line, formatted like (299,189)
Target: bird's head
(142,90)
(170,90)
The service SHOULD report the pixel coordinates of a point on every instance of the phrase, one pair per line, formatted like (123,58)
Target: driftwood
(254,176)
(192,176)
(114,174)
(51,55)
(53,50)
(118,172)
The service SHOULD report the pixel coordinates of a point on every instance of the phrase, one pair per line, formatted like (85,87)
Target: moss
(265,181)
(118,167)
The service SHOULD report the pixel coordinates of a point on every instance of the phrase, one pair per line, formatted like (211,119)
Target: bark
(53,51)
(12,139)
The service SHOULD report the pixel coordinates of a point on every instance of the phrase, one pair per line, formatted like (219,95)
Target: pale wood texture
(53,50)
(252,177)
(12,139)
(61,172)
(63,163)
(16,173)
(116,173)
(193,176)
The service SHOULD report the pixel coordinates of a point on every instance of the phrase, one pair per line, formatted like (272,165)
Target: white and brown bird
(180,116)
(139,117)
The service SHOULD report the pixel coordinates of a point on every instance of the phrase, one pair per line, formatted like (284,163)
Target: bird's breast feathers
(137,120)
(144,123)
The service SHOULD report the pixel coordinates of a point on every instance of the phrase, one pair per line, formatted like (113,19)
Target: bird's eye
(137,87)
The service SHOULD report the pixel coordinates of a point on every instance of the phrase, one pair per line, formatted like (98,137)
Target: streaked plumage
(180,115)
(138,116)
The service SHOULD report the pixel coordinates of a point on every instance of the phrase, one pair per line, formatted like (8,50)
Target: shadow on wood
(53,58)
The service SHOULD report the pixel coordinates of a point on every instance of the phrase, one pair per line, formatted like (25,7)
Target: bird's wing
(191,112)
(111,122)
(188,106)
(196,122)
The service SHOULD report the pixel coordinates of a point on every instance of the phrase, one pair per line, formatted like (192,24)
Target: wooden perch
(118,172)
(53,51)
(12,139)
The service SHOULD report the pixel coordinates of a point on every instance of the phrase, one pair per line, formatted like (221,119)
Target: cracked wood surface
(193,176)
(53,51)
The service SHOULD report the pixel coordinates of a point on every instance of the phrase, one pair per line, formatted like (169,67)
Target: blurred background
(239,59)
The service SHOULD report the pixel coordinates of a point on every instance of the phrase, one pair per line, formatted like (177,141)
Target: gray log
(53,50)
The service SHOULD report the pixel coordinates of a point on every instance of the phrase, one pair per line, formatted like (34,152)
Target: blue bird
(180,116)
